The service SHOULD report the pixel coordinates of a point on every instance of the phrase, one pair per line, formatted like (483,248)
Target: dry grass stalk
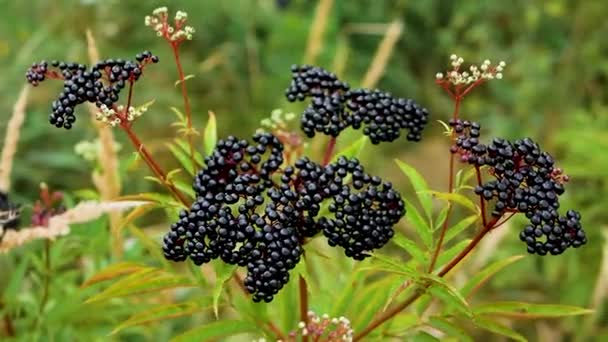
(60,225)
(383,54)
(11,139)
(319,25)
(106,182)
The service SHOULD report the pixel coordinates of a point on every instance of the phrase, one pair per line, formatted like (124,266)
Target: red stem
(393,311)
(444,228)
(329,151)
(482,202)
(158,172)
(303,304)
(180,72)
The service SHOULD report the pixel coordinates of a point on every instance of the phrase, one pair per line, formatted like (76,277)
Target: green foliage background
(555,90)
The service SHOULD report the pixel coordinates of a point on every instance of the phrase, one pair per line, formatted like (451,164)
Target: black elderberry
(526,181)
(101,84)
(334,106)
(364,213)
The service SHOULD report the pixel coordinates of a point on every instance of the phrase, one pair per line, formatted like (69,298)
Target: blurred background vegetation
(555,90)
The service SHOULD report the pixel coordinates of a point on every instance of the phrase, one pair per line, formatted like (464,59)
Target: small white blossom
(439,76)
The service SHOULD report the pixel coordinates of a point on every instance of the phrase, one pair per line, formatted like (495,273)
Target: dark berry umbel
(526,181)
(364,212)
(101,84)
(334,106)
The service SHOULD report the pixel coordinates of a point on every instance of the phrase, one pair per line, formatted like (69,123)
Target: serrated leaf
(353,150)
(141,282)
(392,265)
(420,225)
(216,330)
(451,252)
(150,245)
(449,328)
(454,197)
(183,145)
(420,186)
(210,134)
(497,328)
(183,158)
(529,310)
(114,271)
(486,273)
(162,313)
(411,248)
(459,227)
(223,273)
(187,77)
(447,293)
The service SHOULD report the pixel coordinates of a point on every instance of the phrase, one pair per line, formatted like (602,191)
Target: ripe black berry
(364,212)
(334,106)
(526,181)
(101,84)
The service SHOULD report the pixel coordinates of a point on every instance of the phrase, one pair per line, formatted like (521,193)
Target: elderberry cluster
(252,212)
(526,181)
(335,106)
(100,84)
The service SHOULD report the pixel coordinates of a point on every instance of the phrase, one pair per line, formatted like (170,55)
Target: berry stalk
(329,151)
(158,172)
(188,110)
(303,304)
(444,228)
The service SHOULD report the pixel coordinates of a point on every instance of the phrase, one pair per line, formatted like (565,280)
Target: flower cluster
(324,328)
(176,33)
(525,181)
(335,106)
(100,84)
(254,212)
(456,77)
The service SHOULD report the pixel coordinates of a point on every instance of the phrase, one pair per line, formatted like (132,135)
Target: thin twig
(383,54)
(11,139)
(182,82)
(303,304)
(318,27)
(329,151)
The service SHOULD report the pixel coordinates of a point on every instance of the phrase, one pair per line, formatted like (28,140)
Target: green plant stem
(188,110)
(329,151)
(393,311)
(158,172)
(444,228)
(47,274)
(303,304)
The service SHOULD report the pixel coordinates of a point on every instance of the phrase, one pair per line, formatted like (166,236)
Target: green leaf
(482,276)
(210,134)
(463,176)
(420,225)
(447,293)
(223,273)
(114,271)
(187,77)
(180,116)
(497,328)
(216,330)
(449,328)
(451,252)
(183,145)
(441,217)
(459,227)
(144,281)
(151,245)
(391,264)
(353,150)
(454,197)
(420,186)
(530,310)
(184,187)
(183,158)
(162,313)
(411,248)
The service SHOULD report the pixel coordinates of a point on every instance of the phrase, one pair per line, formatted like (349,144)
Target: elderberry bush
(254,212)
(525,181)
(100,84)
(335,106)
